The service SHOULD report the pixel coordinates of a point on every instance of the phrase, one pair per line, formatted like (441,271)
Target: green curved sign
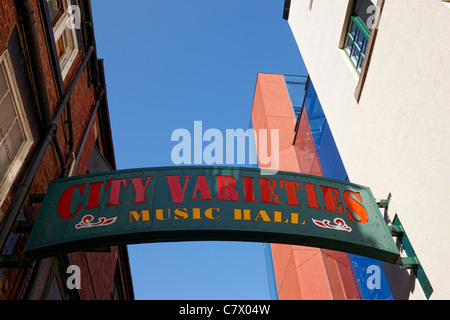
(208,203)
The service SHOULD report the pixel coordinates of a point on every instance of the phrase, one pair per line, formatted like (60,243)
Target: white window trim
(349,65)
(14,168)
(62,29)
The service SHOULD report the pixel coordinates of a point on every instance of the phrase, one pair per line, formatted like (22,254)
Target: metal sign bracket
(411,261)
(7,259)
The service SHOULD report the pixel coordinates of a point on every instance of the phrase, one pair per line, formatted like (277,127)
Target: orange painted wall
(341,279)
(301,273)
(272,110)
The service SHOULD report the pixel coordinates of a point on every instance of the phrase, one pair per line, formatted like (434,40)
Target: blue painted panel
(296,89)
(270,272)
(368,272)
(372,281)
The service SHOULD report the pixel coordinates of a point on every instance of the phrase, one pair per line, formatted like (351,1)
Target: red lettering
(65,202)
(226,187)
(114,193)
(249,194)
(331,196)
(139,189)
(267,191)
(356,211)
(290,191)
(94,195)
(202,187)
(175,188)
(311,195)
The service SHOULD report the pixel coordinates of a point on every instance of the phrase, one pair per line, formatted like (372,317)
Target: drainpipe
(86,132)
(32,44)
(24,188)
(70,154)
(89,39)
(48,29)
(29,25)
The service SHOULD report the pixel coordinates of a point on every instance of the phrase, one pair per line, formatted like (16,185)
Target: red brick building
(54,123)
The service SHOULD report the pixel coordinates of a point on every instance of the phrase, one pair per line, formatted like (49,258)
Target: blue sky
(168,64)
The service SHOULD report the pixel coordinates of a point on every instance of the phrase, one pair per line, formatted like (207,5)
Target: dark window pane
(55,9)
(4,161)
(7,113)
(3,85)
(14,140)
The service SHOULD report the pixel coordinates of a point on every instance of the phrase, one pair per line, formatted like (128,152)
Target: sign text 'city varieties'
(208,203)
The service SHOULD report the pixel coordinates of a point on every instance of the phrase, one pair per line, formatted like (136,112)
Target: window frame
(61,10)
(356,28)
(370,44)
(68,36)
(14,167)
(58,280)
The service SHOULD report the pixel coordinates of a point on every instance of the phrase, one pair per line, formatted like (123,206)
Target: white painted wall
(397,139)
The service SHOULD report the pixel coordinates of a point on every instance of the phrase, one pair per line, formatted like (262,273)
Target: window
(56,286)
(65,36)
(15,135)
(356,42)
(358,32)
(359,36)
(54,291)
(56,9)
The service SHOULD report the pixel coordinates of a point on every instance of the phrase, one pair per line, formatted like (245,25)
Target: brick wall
(97,268)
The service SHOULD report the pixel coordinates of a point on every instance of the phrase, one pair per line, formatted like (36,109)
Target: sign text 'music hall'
(209,203)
